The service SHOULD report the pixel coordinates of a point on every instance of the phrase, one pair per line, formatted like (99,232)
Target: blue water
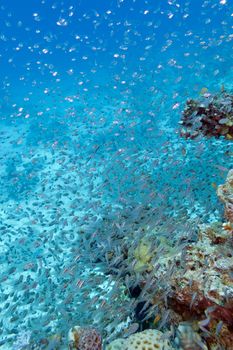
(91,96)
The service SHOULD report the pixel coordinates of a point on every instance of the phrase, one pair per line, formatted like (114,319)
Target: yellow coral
(143,252)
(143,255)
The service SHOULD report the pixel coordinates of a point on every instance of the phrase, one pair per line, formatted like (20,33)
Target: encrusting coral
(149,339)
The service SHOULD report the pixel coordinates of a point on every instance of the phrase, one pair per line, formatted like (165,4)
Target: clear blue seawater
(91,94)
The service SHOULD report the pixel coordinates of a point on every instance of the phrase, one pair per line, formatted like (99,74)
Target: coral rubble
(211,115)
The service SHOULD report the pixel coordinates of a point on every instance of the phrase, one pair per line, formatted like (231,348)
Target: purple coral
(87,339)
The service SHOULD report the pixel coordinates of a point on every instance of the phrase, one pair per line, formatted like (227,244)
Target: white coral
(147,340)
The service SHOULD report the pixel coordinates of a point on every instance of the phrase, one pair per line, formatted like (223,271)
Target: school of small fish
(91,160)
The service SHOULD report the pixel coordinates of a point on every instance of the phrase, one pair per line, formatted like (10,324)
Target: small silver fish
(131,329)
(219,328)
(188,339)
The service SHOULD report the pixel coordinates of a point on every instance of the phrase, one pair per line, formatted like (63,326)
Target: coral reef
(187,338)
(84,339)
(191,288)
(211,115)
(183,289)
(225,193)
(147,340)
(202,285)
